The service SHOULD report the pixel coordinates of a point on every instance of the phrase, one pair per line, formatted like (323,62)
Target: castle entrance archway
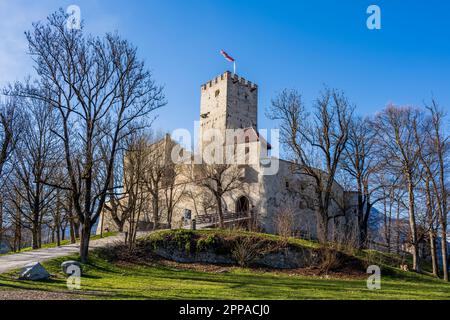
(243,206)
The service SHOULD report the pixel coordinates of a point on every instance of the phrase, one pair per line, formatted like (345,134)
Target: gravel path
(37,295)
(18,260)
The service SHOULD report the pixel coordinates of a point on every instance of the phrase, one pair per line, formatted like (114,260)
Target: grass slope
(105,280)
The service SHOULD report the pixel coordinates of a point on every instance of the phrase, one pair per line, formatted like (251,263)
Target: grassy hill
(112,274)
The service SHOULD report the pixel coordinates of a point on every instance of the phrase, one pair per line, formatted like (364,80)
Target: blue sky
(277,44)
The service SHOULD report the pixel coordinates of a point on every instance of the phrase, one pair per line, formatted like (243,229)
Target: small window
(217,93)
(287,184)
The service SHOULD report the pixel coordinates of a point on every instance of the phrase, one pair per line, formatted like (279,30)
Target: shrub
(183,238)
(330,259)
(246,250)
(284,222)
(204,243)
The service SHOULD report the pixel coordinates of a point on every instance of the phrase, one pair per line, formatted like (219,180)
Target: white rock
(66,264)
(34,271)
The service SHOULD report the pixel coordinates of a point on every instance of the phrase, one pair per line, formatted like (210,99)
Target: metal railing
(213,218)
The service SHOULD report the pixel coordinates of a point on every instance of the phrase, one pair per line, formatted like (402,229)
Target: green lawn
(103,280)
(63,243)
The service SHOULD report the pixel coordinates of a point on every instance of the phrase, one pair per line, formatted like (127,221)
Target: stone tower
(228,102)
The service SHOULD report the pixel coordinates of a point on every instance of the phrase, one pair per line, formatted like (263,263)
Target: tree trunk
(433,253)
(397,226)
(121,225)
(155,211)
(412,226)
(63,233)
(322,228)
(73,238)
(58,237)
(220,212)
(363,234)
(431,233)
(39,236)
(84,243)
(169,218)
(58,218)
(18,238)
(387,235)
(444,251)
(1,221)
(77,229)
(34,237)
(72,228)
(17,231)
(443,204)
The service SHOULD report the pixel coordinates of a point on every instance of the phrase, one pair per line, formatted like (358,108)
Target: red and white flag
(226,56)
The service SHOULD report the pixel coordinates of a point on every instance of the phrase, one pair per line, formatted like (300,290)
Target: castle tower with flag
(228,102)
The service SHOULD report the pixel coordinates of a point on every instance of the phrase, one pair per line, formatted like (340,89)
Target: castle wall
(296,192)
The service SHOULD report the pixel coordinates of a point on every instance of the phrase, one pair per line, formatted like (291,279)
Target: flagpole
(234,67)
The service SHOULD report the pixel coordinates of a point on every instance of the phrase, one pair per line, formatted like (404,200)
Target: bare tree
(120,186)
(395,137)
(135,168)
(36,157)
(69,217)
(284,222)
(218,179)
(431,222)
(8,131)
(102,92)
(173,190)
(387,192)
(361,162)
(57,218)
(316,144)
(155,177)
(158,164)
(17,218)
(434,146)
(203,202)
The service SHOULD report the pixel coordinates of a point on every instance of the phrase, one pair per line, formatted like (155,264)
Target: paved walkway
(18,260)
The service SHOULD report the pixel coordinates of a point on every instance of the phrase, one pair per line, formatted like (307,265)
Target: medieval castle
(268,185)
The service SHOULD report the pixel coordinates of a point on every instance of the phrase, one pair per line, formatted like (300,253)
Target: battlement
(235,79)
